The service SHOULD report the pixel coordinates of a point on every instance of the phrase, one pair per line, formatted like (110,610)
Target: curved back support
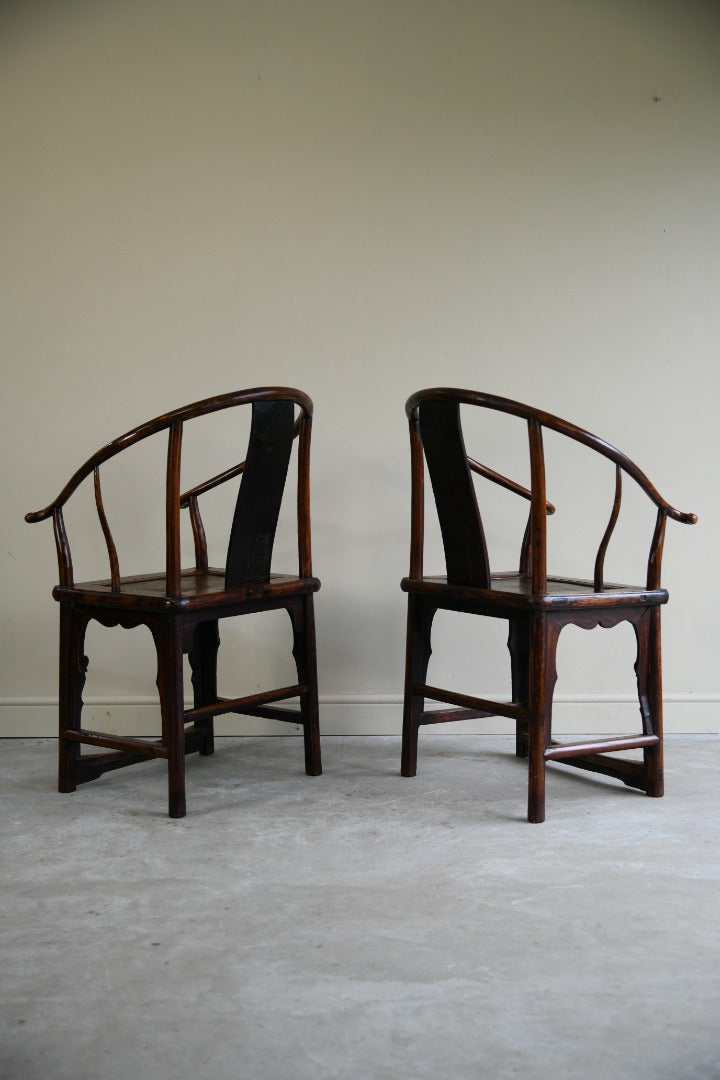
(259,498)
(261,491)
(463,536)
(435,427)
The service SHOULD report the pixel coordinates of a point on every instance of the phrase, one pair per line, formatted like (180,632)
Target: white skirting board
(366,714)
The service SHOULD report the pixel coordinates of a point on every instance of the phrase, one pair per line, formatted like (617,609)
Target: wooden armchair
(535,604)
(182,607)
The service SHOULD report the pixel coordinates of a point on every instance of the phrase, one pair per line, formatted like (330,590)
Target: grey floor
(358,924)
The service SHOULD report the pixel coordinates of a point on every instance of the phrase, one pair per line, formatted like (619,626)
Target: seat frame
(183,608)
(535,605)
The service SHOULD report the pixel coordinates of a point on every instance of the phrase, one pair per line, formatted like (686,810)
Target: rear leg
(418,651)
(302,617)
(203,664)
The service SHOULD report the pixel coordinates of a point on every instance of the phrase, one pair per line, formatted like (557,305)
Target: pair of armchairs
(183,607)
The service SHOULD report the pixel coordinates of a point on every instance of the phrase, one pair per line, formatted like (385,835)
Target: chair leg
(519,648)
(302,617)
(417,657)
(168,642)
(544,633)
(203,663)
(73,668)
(649,678)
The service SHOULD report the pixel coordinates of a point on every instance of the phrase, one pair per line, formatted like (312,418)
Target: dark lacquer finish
(183,607)
(536,605)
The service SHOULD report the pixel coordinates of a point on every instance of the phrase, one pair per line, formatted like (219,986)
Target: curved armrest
(173,423)
(503,481)
(534,551)
(151,427)
(554,423)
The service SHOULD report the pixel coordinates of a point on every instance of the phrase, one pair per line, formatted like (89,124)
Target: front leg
(302,617)
(544,633)
(73,670)
(169,646)
(417,657)
(648,669)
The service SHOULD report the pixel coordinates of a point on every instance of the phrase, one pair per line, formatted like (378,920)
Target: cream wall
(363,198)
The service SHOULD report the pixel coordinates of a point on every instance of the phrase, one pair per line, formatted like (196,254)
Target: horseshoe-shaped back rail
(174,422)
(436,436)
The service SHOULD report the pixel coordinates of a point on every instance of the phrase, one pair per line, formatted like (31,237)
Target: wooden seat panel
(515,590)
(196,586)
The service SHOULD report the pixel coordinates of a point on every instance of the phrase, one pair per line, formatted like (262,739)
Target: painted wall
(362,198)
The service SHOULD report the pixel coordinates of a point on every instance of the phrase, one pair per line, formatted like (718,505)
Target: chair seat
(513,590)
(199,588)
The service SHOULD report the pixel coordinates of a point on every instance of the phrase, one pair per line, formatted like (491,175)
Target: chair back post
(525,555)
(538,512)
(198,531)
(417,498)
(598,575)
(65,566)
(303,496)
(105,526)
(172,510)
(656,551)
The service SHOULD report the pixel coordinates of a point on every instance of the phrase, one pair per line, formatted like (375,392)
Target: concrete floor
(359,925)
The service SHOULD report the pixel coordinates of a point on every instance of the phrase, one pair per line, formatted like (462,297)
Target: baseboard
(365,714)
